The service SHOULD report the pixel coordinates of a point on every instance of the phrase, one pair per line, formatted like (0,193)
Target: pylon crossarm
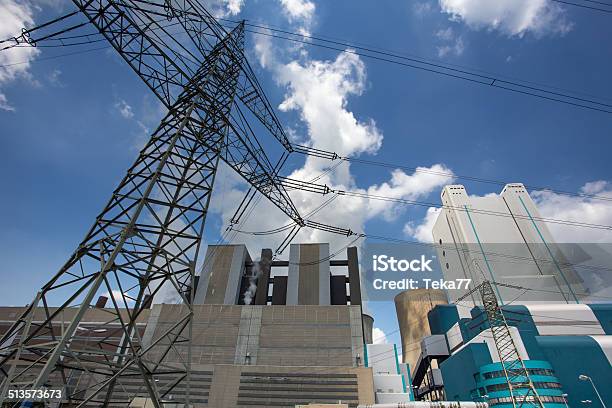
(196,21)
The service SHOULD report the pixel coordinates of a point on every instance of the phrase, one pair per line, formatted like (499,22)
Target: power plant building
(260,336)
(272,339)
(558,338)
(502,238)
(556,342)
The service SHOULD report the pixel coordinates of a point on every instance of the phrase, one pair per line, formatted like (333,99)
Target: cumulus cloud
(14,62)
(379,336)
(511,17)
(319,92)
(423,231)
(408,187)
(234,6)
(224,8)
(583,209)
(298,10)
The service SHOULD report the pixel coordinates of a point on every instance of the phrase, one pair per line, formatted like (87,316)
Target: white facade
(502,238)
(391,378)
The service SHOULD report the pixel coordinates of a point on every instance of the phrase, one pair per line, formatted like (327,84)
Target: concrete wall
(308,277)
(221,275)
(266,386)
(271,335)
(231,386)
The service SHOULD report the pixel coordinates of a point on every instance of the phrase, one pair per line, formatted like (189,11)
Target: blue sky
(71,126)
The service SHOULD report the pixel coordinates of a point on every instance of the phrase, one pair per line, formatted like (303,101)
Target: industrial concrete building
(557,337)
(99,332)
(264,333)
(502,238)
(230,277)
(557,342)
(391,378)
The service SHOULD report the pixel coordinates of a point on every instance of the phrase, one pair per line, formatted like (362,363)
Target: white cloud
(14,62)
(451,43)
(408,187)
(511,17)
(124,109)
(319,90)
(457,48)
(423,231)
(234,6)
(145,115)
(54,78)
(379,336)
(224,8)
(299,10)
(446,34)
(4,105)
(582,209)
(264,50)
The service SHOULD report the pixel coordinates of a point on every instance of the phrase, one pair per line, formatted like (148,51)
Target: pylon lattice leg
(144,243)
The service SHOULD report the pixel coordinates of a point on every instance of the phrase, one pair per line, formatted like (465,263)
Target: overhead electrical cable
(25,33)
(571,3)
(470,75)
(448,71)
(325,154)
(405,201)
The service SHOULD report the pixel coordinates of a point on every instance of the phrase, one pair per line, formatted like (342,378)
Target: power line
(508,258)
(323,189)
(475,210)
(424,65)
(329,155)
(469,75)
(599,2)
(68,54)
(25,33)
(569,3)
(363,161)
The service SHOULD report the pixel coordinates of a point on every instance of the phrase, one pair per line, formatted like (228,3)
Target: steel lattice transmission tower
(148,236)
(520,385)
